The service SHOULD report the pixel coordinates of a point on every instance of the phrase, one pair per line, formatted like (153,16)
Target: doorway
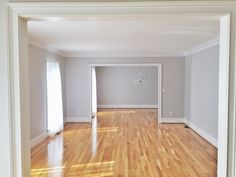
(223,93)
(135,80)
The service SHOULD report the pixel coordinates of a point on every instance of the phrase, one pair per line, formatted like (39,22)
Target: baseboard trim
(39,139)
(127,106)
(173,120)
(77,119)
(202,133)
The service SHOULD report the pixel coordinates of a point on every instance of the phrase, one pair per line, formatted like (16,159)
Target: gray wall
(37,74)
(202,82)
(78,80)
(115,86)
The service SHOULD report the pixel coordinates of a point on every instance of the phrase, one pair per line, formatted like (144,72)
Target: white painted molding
(123,64)
(122,54)
(19,158)
(77,119)
(202,133)
(172,120)
(54,49)
(126,106)
(20,6)
(39,139)
(203,46)
(47,47)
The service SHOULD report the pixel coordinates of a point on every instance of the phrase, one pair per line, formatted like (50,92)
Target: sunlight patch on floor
(40,171)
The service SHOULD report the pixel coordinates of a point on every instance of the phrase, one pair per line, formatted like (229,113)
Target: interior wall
(78,81)
(202,84)
(38,88)
(116,86)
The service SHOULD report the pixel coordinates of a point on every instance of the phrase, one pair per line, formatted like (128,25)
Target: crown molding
(117,3)
(93,54)
(203,46)
(47,47)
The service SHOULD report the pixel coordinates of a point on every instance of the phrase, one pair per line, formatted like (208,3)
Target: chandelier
(140,78)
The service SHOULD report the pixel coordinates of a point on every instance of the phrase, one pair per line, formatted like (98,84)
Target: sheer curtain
(94,92)
(54,98)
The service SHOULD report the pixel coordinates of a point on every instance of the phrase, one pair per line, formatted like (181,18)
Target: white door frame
(17,58)
(159,67)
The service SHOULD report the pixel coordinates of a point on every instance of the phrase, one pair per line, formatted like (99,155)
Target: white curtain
(94,92)
(54,98)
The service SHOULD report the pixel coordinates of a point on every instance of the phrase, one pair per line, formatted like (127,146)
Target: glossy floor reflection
(124,143)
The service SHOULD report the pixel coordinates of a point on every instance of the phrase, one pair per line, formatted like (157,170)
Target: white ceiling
(163,35)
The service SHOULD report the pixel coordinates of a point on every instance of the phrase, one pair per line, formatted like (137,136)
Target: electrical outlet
(170,113)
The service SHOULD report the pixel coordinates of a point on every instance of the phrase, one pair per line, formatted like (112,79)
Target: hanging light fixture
(140,78)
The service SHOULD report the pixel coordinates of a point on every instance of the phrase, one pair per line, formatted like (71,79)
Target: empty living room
(124,85)
(111,89)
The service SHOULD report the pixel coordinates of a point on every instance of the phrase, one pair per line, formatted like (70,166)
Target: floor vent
(186,126)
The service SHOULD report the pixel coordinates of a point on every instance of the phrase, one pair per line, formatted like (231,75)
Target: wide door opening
(124,86)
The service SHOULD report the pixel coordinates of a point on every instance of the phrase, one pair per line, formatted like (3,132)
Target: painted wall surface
(116,85)
(202,83)
(38,86)
(78,81)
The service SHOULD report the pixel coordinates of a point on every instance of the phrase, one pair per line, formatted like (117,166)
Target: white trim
(160,88)
(39,139)
(77,119)
(90,94)
(123,64)
(224,98)
(173,120)
(47,47)
(93,5)
(127,106)
(202,133)
(121,54)
(203,46)
(36,10)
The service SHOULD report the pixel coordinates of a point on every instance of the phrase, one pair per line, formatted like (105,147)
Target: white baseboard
(77,119)
(39,139)
(172,120)
(126,106)
(202,133)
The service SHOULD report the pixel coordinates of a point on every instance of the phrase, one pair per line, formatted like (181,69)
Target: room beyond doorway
(138,79)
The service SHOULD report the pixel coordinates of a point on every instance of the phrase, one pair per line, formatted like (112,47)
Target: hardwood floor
(124,143)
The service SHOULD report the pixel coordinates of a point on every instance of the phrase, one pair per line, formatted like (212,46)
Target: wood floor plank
(125,143)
